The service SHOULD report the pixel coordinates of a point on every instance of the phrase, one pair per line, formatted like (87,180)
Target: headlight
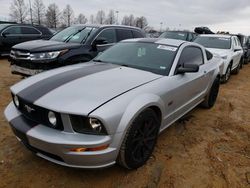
(95,124)
(224,57)
(52,118)
(46,55)
(86,125)
(16,101)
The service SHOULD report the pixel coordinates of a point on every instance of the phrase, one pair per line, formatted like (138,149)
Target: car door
(109,35)
(11,36)
(189,88)
(237,52)
(30,33)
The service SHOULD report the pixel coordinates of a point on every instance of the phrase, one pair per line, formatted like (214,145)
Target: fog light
(16,101)
(100,148)
(52,118)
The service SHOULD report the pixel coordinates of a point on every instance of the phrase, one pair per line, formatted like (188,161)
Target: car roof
(216,35)
(169,42)
(104,26)
(176,31)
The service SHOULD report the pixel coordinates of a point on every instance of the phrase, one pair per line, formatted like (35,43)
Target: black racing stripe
(37,90)
(21,126)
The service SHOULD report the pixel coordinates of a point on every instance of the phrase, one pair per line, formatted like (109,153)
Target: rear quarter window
(123,34)
(137,34)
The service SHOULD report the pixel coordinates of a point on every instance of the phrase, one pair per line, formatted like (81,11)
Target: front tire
(227,76)
(140,140)
(213,94)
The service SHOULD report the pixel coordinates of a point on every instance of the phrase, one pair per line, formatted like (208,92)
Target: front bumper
(55,145)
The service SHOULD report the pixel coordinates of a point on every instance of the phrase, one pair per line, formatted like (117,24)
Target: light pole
(31,19)
(117,13)
(161,27)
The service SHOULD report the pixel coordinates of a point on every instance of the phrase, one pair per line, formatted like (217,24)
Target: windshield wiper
(70,37)
(98,60)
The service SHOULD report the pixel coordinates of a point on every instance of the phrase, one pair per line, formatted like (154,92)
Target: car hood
(44,46)
(219,52)
(82,88)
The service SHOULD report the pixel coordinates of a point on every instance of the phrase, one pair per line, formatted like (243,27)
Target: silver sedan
(111,110)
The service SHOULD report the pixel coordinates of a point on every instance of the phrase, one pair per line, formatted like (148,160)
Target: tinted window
(209,55)
(137,34)
(109,35)
(123,34)
(145,56)
(13,30)
(30,31)
(174,35)
(214,42)
(191,55)
(190,37)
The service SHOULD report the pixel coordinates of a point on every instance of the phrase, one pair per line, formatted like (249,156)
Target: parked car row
(75,44)
(112,108)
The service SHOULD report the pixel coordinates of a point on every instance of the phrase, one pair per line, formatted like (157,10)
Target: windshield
(75,34)
(144,56)
(214,42)
(2,26)
(174,35)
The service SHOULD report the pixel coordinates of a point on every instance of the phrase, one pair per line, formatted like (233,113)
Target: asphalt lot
(208,148)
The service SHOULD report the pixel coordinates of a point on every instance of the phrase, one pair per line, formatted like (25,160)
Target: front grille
(18,54)
(41,65)
(38,114)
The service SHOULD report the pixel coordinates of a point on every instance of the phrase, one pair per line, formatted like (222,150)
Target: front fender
(136,106)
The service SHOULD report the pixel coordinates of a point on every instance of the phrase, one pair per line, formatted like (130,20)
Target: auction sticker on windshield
(169,48)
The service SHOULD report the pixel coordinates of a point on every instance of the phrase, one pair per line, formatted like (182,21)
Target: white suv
(228,47)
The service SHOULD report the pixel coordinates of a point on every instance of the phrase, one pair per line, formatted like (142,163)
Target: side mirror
(100,41)
(237,49)
(188,68)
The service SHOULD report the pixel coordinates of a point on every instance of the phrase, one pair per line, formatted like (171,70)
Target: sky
(218,15)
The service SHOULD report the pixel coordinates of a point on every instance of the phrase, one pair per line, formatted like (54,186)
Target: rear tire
(139,141)
(213,94)
(237,70)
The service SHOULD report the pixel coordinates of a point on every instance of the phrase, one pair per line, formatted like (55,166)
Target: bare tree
(92,19)
(131,20)
(18,11)
(52,16)
(128,20)
(111,17)
(38,11)
(100,17)
(68,15)
(81,19)
(141,22)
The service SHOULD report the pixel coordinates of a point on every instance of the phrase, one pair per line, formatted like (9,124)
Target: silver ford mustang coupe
(112,109)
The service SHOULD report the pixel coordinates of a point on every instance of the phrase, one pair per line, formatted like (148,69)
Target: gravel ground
(208,148)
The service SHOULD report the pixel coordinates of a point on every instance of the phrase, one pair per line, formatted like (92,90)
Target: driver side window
(109,35)
(191,55)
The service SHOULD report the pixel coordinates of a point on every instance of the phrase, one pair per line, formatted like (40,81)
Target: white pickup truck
(228,47)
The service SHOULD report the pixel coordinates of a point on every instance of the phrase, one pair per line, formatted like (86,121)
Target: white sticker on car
(224,39)
(169,48)
(181,34)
